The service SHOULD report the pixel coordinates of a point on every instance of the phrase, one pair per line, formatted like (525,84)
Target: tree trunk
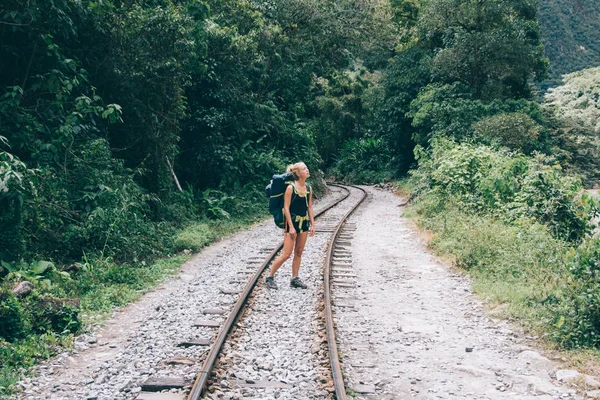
(174,176)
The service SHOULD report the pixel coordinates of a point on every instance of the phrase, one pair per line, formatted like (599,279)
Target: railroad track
(329,228)
(339,248)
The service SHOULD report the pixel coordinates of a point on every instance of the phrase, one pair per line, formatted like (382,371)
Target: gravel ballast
(277,351)
(142,340)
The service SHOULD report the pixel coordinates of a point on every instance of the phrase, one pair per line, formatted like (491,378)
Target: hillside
(571,31)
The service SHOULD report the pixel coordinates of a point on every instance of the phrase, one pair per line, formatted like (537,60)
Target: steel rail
(336,369)
(207,366)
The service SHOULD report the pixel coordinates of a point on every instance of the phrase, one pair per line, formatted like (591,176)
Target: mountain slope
(571,32)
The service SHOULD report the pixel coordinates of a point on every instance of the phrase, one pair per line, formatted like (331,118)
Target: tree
(389,103)
(578,99)
(493,46)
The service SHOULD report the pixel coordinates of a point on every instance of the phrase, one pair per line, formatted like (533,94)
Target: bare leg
(298,249)
(288,246)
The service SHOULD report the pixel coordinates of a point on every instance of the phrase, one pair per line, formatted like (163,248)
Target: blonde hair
(294,168)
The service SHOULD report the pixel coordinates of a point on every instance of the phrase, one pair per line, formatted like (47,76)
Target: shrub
(15,186)
(578,98)
(13,324)
(489,245)
(516,131)
(50,314)
(26,352)
(365,160)
(577,307)
(510,186)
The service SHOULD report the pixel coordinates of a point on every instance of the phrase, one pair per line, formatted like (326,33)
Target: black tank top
(299,204)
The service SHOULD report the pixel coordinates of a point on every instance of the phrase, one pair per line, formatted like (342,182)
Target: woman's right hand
(292,232)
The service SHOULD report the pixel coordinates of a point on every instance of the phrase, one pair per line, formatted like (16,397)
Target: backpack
(275,191)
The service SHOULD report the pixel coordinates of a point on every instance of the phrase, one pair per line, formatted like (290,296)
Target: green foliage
(405,12)
(517,131)
(37,313)
(459,63)
(577,148)
(26,352)
(365,160)
(13,174)
(194,237)
(509,186)
(38,272)
(577,100)
(450,111)
(8,378)
(342,112)
(389,102)
(15,185)
(51,314)
(214,203)
(487,246)
(151,53)
(521,226)
(100,209)
(576,307)
(573,122)
(492,46)
(12,325)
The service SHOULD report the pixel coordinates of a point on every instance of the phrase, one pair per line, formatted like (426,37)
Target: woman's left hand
(311,230)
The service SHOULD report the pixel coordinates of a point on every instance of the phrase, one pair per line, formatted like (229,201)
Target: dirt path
(413,329)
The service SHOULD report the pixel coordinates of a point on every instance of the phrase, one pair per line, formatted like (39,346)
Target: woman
(299,222)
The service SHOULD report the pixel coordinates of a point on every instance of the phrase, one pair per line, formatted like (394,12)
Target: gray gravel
(279,343)
(140,341)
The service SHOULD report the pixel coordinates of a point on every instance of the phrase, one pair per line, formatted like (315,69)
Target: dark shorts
(301,223)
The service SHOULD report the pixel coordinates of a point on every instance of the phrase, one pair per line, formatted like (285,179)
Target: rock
(591,382)
(268,366)
(530,355)
(594,394)
(23,289)
(364,389)
(565,375)
(73,267)
(181,360)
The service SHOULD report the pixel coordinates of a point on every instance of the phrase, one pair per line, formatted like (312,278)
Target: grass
(517,269)
(108,285)
(8,378)
(17,357)
(101,285)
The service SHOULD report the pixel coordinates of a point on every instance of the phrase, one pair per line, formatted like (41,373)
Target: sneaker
(270,282)
(297,283)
